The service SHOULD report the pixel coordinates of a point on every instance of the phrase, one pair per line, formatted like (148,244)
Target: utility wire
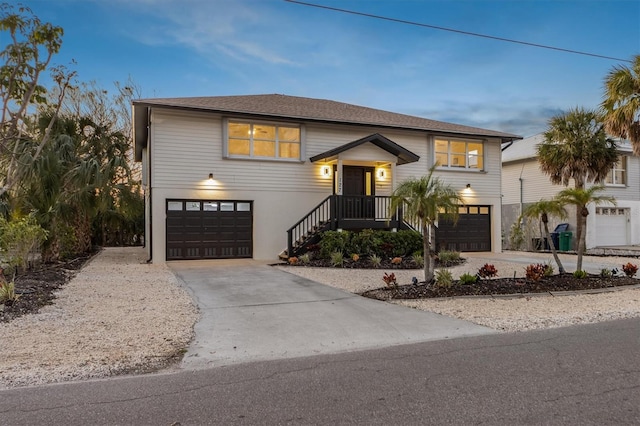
(418,24)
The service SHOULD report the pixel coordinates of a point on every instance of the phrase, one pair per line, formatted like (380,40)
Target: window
(459,154)
(618,173)
(257,140)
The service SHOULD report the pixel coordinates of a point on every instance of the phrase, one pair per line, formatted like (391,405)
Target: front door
(358,192)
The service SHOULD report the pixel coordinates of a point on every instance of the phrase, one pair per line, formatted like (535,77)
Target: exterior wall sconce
(326,171)
(380,173)
(468,186)
(210,176)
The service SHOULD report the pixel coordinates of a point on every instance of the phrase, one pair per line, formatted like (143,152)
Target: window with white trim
(618,173)
(263,140)
(459,154)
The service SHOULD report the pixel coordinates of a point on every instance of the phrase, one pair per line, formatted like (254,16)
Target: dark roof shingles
(294,107)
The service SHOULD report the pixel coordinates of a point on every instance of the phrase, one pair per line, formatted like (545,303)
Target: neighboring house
(252,176)
(607,225)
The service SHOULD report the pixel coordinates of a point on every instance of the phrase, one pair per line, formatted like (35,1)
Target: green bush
(606,273)
(444,278)
(375,260)
(20,238)
(8,292)
(580,274)
(334,241)
(337,259)
(448,257)
(369,242)
(467,278)
(304,258)
(418,259)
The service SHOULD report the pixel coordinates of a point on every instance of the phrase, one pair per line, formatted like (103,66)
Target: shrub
(466,279)
(548,269)
(516,236)
(8,293)
(355,257)
(304,258)
(487,271)
(375,260)
(293,260)
(448,257)
(334,241)
(535,271)
(337,259)
(390,280)
(630,269)
(444,278)
(19,238)
(580,274)
(418,260)
(606,273)
(396,260)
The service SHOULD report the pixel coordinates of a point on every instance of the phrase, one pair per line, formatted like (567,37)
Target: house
(252,176)
(607,225)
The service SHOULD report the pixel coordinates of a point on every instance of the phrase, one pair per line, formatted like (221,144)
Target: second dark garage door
(218,229)
(472,232)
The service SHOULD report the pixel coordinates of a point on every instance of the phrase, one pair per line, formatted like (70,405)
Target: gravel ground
(118,315)
(505,314)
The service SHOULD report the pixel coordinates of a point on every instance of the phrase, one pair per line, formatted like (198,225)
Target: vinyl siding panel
(184,147)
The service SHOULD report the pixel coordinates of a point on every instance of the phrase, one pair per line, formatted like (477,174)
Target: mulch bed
(38,285)
(497,286)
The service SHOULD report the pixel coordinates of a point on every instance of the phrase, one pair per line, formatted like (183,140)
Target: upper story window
(458,154)
(258,140)
(618,173)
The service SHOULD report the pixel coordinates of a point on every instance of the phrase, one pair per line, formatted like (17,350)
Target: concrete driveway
(253,312)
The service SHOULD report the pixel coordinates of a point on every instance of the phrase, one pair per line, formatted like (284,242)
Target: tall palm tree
(581,198)
(542,210)
(576,148)
(621,103)
(421,200)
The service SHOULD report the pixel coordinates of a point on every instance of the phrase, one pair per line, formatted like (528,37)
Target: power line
(435,27)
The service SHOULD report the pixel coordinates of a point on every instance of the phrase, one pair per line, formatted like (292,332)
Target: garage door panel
(471,232)
(207,232)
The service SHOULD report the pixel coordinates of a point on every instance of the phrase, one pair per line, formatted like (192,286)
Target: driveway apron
(254,312)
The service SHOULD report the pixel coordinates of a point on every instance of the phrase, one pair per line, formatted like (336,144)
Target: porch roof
(404,155)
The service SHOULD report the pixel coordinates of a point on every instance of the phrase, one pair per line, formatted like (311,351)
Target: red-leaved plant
(630,269)
(487,271)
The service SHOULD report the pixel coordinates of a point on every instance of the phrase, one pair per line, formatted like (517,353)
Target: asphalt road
(582,375)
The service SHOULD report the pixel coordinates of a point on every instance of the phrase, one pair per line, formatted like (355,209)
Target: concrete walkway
(253,312)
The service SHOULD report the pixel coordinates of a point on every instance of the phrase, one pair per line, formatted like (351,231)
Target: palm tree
(576,147)
(581,198)
(542,210)
(621,104)
(421,200)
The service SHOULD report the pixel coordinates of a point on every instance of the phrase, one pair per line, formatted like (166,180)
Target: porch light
(468,186)
(210,176)
(326,171)
(380,173)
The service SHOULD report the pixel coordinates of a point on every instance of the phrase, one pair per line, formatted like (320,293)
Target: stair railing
(322,214)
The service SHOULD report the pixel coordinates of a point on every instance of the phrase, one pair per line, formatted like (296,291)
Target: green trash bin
(565,240)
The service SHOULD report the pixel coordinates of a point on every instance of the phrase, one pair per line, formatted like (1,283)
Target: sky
(182,48)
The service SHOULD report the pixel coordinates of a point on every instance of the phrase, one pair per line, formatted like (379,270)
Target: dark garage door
(218,229)
(472,231)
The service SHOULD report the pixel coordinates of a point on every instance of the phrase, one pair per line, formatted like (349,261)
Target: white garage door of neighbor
(612,226)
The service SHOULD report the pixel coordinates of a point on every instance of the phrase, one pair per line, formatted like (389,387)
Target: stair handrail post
(290,242)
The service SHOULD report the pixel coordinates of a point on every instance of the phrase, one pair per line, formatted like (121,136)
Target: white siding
(186,147)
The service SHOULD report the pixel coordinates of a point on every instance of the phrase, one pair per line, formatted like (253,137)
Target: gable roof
(526,149)
(309,109)
(404,156)
(522,150)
